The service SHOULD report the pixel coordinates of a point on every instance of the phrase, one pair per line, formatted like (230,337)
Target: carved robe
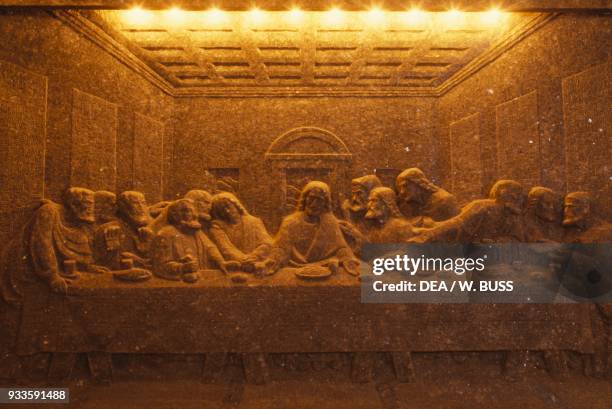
(481,221)
(235,241)
(172,246)
(109,254)
(395,230)
(47,240)
(440,206)
(299,242)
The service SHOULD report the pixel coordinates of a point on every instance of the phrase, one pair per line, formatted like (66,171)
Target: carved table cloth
(281,314)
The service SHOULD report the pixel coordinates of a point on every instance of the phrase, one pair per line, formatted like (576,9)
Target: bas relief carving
(183,240)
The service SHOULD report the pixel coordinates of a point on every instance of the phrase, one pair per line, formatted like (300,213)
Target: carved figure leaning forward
(543,216)
(388,224)
(580,222)
(181,248)
(127,237)
(311,235)
(422,201)
(497,219)
(355,226)
(55,244)
(239,236)
(202,201)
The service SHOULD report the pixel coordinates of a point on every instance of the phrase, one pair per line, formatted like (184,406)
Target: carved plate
(312,272)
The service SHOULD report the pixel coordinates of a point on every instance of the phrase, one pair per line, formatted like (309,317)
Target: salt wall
(71,114)
(539,114)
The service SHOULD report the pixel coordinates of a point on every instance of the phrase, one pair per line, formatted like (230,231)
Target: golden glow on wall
(375,16)
(295,15)
(333,16)
(492,17)
(175,15)
(215,16)
(415,16)
(138,16)
(256,15)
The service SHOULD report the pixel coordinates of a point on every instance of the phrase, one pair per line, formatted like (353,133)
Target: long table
(280,314)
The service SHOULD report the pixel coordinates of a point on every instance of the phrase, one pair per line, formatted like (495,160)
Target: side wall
(539,114)
(71,114)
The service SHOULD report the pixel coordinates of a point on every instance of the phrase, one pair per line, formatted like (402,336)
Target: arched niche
(309,153)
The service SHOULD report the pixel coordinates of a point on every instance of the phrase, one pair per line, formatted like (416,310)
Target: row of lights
(334,15)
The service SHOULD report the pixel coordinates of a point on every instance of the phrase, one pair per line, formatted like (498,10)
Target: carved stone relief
(306,154)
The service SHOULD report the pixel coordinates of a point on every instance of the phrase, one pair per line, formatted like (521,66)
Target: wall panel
(23,99)
(466,165)
(94,142)
(588,146)
(518,141)
(148,157)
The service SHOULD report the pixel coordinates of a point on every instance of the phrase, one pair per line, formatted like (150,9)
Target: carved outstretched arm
(225,245)
(42,250)
(215,255)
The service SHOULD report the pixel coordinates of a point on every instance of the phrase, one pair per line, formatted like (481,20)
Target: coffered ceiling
(311,53)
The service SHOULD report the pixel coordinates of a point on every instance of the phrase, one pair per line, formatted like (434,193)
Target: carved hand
(58,284)
(230,265)
(189,267)
(145,234)
(112,237)
(351,266)
(95,269)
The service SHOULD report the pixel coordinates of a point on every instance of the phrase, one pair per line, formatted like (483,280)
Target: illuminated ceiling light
(334,15)
(137,15)
(215,15)
(375,15)
(256,15)
(453,17)
(492,16)
(453,14)
(175,15)
(415,16)
(295,15)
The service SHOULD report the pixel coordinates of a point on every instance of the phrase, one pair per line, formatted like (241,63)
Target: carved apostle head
(132,207)
(226,206)
(182,214)
(508,193)
(80,203)
(202,201)
(360,190)
(382,204)
(412,185)
(315,199)
(105,205)
(543,203)
(576,209)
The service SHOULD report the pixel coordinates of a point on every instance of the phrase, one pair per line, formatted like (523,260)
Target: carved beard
(572,221)
(513,208)
(375,216)
(190,224)
(546,216)
(139,220)
(84,215)
(357,206)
